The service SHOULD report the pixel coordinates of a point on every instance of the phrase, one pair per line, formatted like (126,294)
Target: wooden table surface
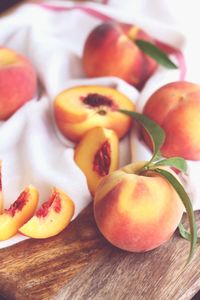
(80,264)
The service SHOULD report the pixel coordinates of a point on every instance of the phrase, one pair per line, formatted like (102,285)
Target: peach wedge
(97,154)
(81,108)
(1,194)
(53,216)
(19,213)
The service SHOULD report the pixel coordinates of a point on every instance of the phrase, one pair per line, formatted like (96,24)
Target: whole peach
(110,51)
(17,82)
(176,108)
(136,211)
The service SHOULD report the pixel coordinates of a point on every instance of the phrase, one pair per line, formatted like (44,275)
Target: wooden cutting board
(80,264)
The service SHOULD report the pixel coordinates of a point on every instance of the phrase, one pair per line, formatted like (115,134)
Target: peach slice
(1,194)
(81,108)
(18,213)
(53,216)
(97,154)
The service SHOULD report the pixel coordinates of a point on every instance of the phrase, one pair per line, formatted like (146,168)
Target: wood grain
(159,274)
(80,264)
(38,268)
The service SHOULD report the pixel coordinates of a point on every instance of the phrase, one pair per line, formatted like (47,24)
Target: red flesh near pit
(97,100)
(102,160)
(54,201)
(18,204)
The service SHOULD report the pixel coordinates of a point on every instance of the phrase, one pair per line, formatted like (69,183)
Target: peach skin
(176,108)
(81,108)
(53,216)
(97,154)
(17,82)
(19,213)
(110,50)
(137,211)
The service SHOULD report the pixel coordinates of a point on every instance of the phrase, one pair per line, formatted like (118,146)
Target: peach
(137,210)
(18,213)
(110,50)
(17,82)
(1,194)
(53,216)
(176,108)
(81,108)
(97,154)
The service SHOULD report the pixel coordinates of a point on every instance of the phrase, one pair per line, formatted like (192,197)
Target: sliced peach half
(18,213)
(97,154)
(53,216)
(81,108)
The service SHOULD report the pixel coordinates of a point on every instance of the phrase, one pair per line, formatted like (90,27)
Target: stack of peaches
(134,210)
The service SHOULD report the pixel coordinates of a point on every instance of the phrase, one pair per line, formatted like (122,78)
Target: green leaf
(188,206)
(155,132)
(157,156)
(176,162)
(154,52)
(185,234)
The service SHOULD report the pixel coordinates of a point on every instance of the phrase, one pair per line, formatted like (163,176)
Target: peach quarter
(97,154)
(1,193)
(137,211)
(53,216)
(17,82)
(19,213)
(81,108)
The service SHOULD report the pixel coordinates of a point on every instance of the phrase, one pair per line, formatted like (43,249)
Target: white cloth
(31,148)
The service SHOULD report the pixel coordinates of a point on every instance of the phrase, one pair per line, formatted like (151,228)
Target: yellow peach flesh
(93,115)
(88,148)
(69,108)
(53,221)
(12,219)
(1,193)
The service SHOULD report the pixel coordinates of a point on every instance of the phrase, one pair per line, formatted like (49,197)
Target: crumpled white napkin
(52,34)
